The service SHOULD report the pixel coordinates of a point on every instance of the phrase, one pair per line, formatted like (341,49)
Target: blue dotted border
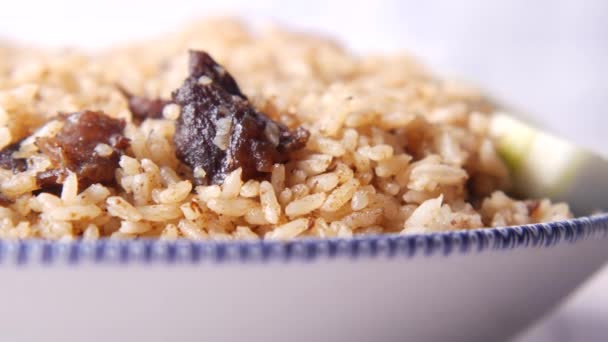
(146,251)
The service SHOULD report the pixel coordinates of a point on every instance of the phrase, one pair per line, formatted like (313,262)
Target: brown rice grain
(365,177)
(234,207)
(142,189)
(349,139)
(191,231)
(289,230)
(426,177)
(376,153)
(371,230)
(175,193)
(299,191)
(323,183)
(270,205)
(285,197)
(361,198)
(244,233)
(341,229)
(160,212)
(19,184)
(69,190)
(296,176)
(169,233)
(94,194)
(277,178)
(340,195)
(46,202)
(392,166)
(75,212)
(191,210)
(388,186)
(256,217)
(361,162)
(91,232)
(363,218)
(344,173)
(328,146)
(250,189)
(168,176)
(208,192)
(305,204)
(127,227)
(119,207)
(130,165)
(232,184)
(321,229)
(316,164)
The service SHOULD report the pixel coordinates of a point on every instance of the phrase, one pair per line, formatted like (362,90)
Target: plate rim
(183,251)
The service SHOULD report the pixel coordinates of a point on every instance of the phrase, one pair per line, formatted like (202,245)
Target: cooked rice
(392,148)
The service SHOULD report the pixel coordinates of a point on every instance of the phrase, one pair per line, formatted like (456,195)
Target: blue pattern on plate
(145,251)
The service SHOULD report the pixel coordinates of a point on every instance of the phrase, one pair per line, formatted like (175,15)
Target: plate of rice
(223,183)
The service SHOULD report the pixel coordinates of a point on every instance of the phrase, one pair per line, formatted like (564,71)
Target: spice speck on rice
(279,135)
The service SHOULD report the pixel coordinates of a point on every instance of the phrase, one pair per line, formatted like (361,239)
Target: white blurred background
(546,58)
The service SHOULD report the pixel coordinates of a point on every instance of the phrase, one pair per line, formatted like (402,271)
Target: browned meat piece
(202,64)
(142,107)
(219,131)
(8,162)
(74,149)
(50,180)
(293,141)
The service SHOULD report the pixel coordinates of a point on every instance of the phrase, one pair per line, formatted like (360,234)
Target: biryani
(223,132)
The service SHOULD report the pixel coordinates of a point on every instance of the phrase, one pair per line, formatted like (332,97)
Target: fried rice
(392,148)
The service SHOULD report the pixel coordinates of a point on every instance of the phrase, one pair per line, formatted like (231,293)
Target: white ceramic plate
(478,285)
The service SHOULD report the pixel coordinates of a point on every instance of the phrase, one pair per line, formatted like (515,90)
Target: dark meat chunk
(202,64)
(50,181)
(219,131)
(8,162)
(74,149)
(142,107)
(293,141)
